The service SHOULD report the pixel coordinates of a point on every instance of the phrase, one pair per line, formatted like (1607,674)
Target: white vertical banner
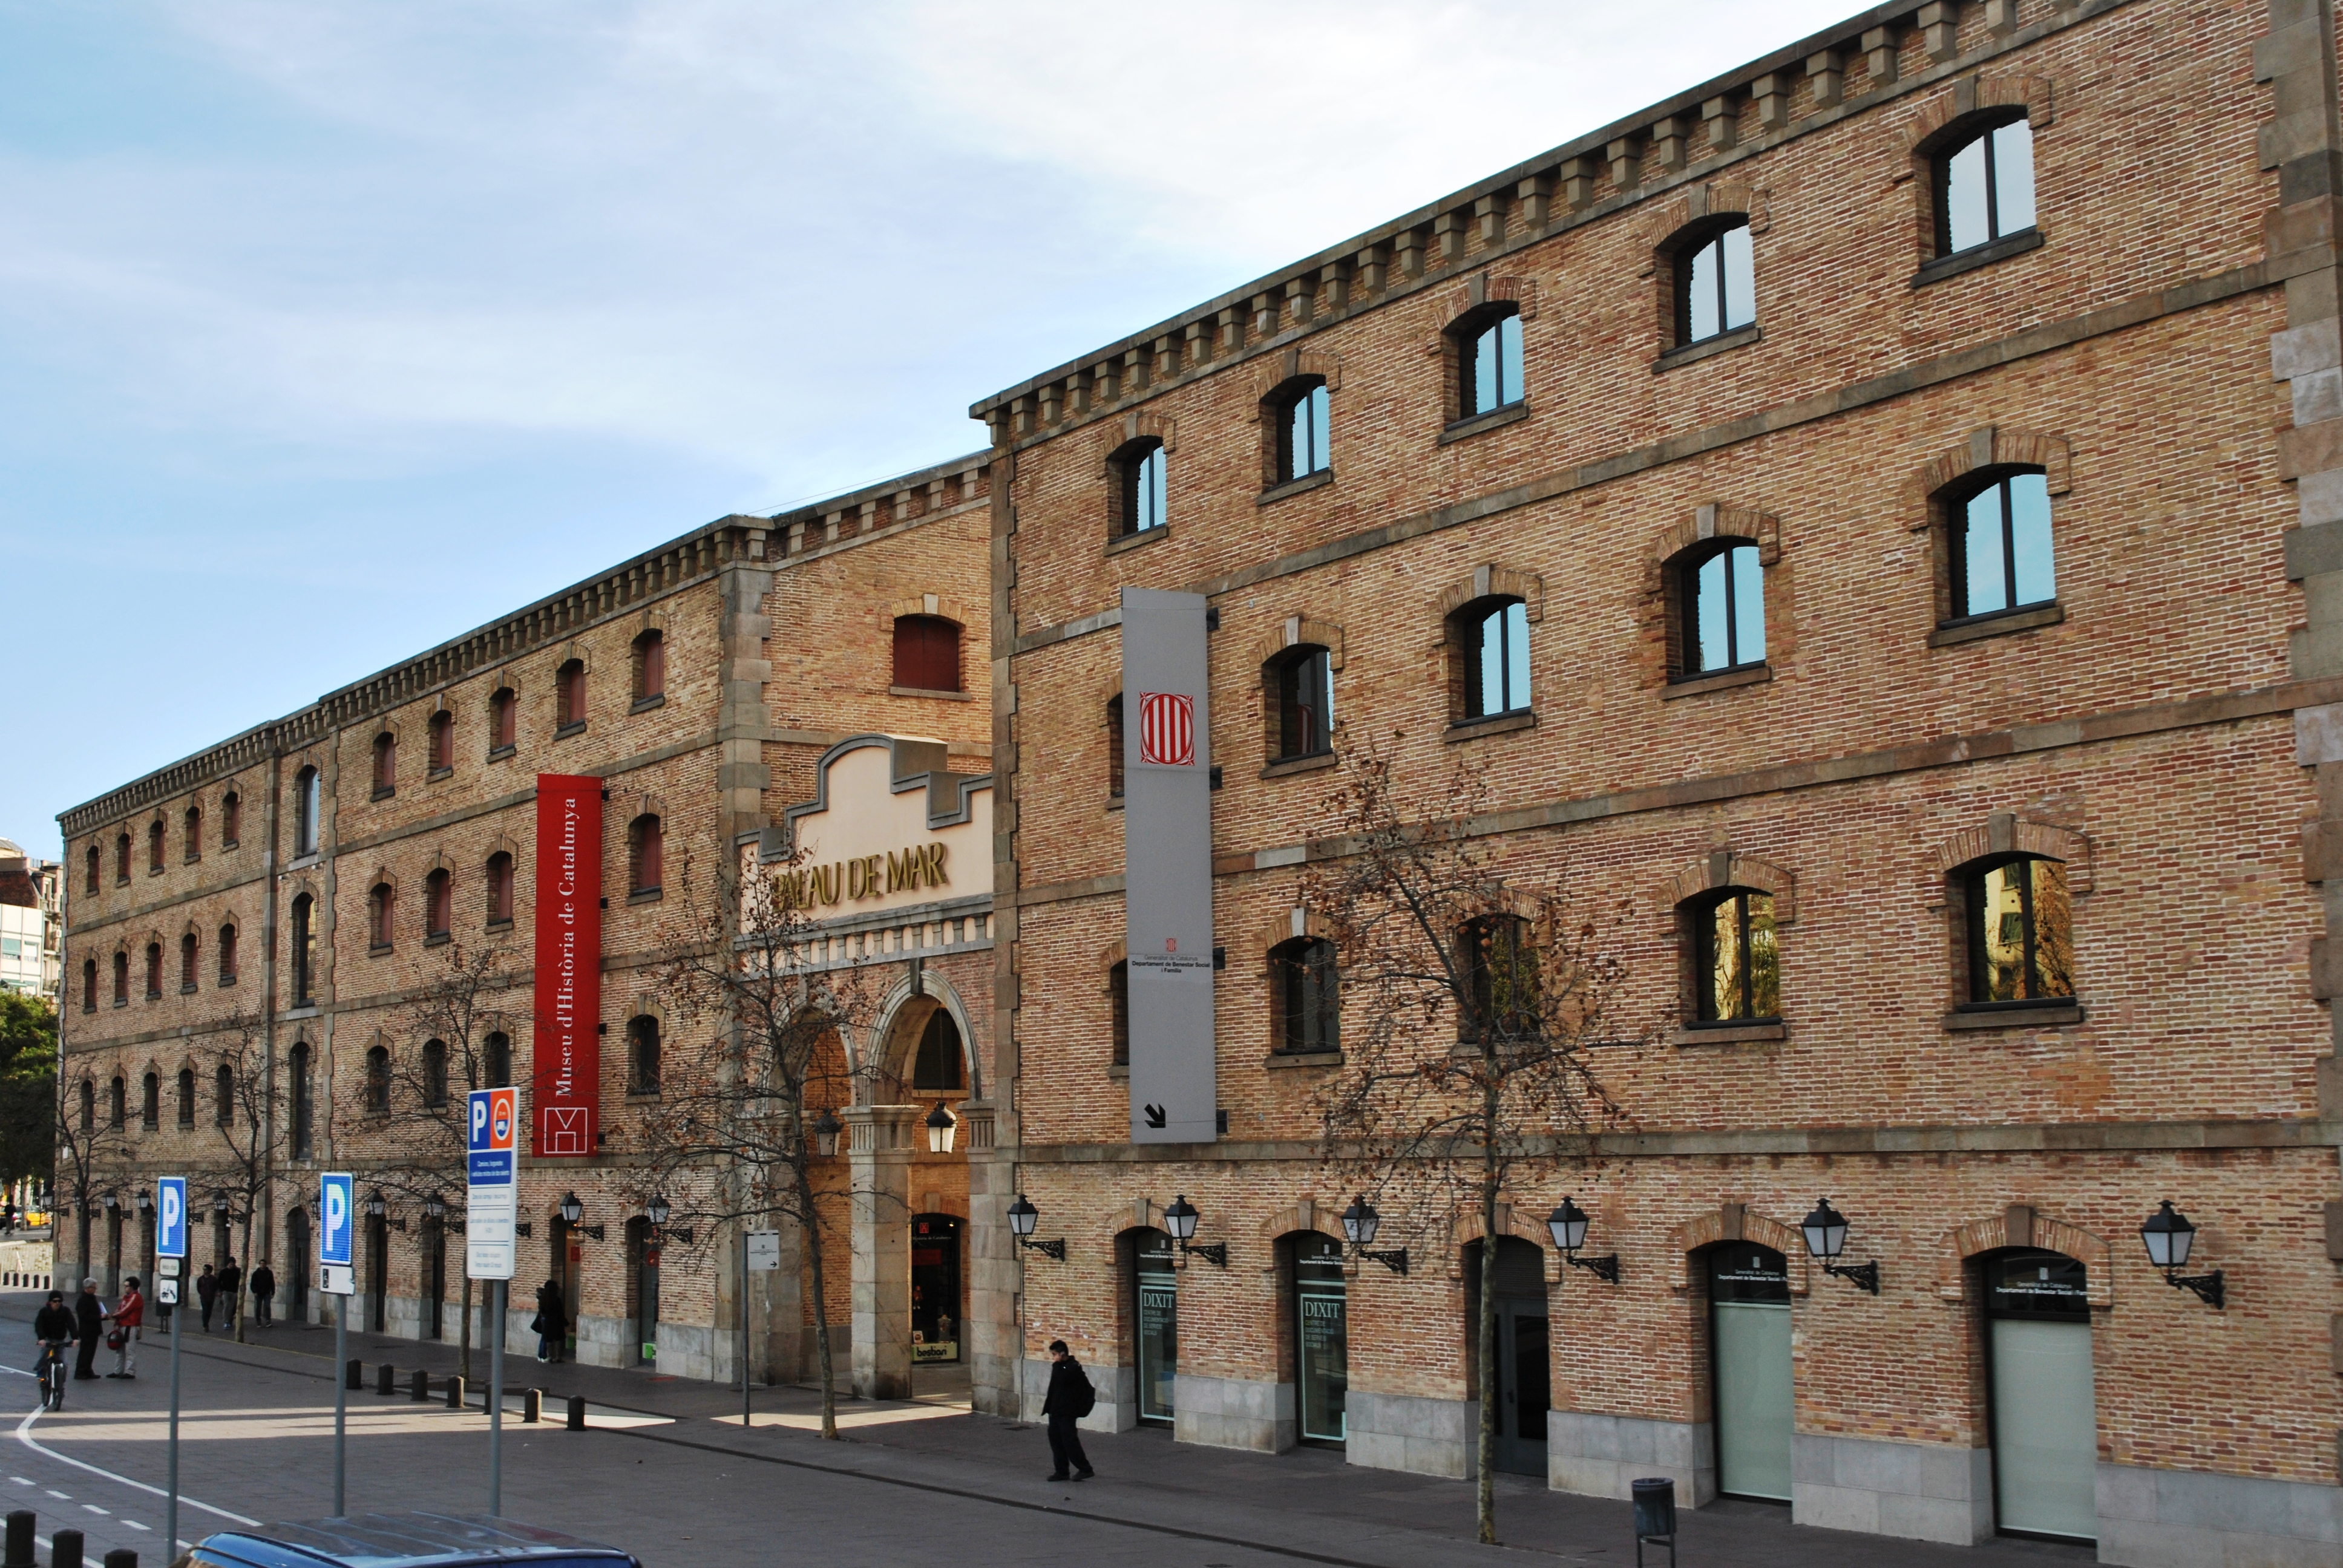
(1167,835)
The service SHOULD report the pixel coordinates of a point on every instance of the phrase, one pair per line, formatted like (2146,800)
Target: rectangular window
(1494,378)
(1306,437)
(2003,547)
(1305,707)
(1505,661)
(1722,292)
(1146,497)
(1987,187)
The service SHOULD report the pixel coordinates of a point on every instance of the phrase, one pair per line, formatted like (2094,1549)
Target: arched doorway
(435,1281)
(2046,1441)
(1321,1340)
(643,1287)
(568,1255)
(1749,1347)
(298,1263)
(377,1272)
(936,1300)
(1155,1323)
(1524,1381)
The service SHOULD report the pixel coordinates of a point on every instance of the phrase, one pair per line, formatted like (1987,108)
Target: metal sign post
(170,1253)
(337,1194)
(492,1205)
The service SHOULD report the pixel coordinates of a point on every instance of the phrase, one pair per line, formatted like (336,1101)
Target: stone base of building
(1405,1432)
(1919,1491)
(1233,1412)
(1604,1455)
(2188,1519)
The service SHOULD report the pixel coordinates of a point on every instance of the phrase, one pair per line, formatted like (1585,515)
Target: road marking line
(53,1492)
(135,1525)
(24,1436)
(94,1507)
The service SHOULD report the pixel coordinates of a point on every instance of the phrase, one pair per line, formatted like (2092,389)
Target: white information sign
(492,1183)
(764,1252)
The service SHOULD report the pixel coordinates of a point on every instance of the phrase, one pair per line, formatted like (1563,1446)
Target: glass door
(1524,1376)
(1155,1289)
(2046,1440)
(1749,1307)
(935,1288)
(1322,1338)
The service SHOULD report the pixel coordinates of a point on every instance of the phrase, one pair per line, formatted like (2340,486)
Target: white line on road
(94,1507)
(24,1436)
(53,1492)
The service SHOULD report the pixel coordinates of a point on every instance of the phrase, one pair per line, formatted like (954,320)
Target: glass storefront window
(1155,1289)
(1749,1310)
(1322,1337)
(2044,1406)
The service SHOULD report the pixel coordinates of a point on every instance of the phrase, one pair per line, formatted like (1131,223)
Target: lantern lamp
(2168,1237)
(1826,1230)
(826,1131)
(572,1210)
(1022,1218)
(941,1129)
(1359,1223)
(1567,1225)
(1180,1221)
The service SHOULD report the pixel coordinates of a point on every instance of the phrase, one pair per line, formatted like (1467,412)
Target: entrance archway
(1154,1286)
(2045,1407)
(297,1264)
(1524,1390)
(643,1289)
(936,1291)
(1750,1343)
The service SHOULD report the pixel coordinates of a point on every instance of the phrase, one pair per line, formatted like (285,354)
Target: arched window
(1118,994)
(194,850)
(305,812)
(1140,487)
(305,949)
(1301,691)
(1998,555)
(438,906)
(927,653)
(186,1097)
(231,820)
(1736,960)
(381,903)
(1297,413)
(1488,360)
(1306,991)
(386,764)
(646,856)
(150,1103)
(496,1060)
(1492,640)
(504,721)
(1985,188)
(117,1103)
(1715,282)
(2020,932)
(296,1072)
(227,955)
(649,662)
(120,859)
(1501,968)
(91,861)
(569,696)
(643,1054)
(435,1072)
(1722,613)
(1114,747)
(224,1095)
(937,1066)
(154,845)
(88,1106)
(89,985)
(187,961)
(442,738)
(153,970)
(501,889)
(122,980)
(377,1081)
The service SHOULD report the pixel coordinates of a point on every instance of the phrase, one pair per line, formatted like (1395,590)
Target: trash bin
(1656,1515)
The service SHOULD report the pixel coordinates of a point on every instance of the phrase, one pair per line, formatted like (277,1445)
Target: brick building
(267,943)
(1846,514)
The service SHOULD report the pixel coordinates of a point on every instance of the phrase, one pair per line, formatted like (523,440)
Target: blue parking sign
(171,1217)
(334,1206)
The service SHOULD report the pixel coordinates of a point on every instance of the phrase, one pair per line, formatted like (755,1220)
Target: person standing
(129,1317)
(263,1292)
(231,1283)
(208,1293)
(89,1325)
(1069,1398)
(552,1321)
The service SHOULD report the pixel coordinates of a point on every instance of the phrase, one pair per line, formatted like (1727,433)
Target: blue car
(404,1541)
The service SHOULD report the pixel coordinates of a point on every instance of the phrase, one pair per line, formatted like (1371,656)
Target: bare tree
(91,1146)
(734,1136)
(252,1136)
(1470,998)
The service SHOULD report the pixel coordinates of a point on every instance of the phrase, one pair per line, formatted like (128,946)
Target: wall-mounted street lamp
(2169,1236)
(826,1131)
(656,1211)
(1359,1222)
(435,1208)
(1022,1218)
(1568,1225)
(375,1206)
(1826,1230)
(145,1202)
(943,1128)
(572,1210)
(1181,1219)
(112,1201)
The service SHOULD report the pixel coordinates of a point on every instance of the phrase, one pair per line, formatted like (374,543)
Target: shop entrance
(2045,1441)
(1749,1314)
(643,1258)
(1155,1314)
(1322,1338)
(935,1290)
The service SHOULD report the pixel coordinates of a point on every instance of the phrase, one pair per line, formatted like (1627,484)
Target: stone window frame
(443,866)
(648,806)
(1299,923)
(501,845)
(1943,124)
(383,783)
(2022,1225)
(1721,870)
(2002,833)
(191,954)
(158,836)
(1663,588)
(1735,1221)
(376,1076)
(192,828)
(505,689)
(156,954)
(649,627)
(1463,313)
(644,1007)
(1270,406)
(121,858)
(441,718)
(383,879)
(929,607)
(1297,631)
(1453,659)
(1944,481)
(1119,443)
(227,956)
(1694,216)
(566,723)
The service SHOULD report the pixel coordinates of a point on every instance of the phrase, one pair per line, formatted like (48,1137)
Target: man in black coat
(89,1317)
(1069,1398)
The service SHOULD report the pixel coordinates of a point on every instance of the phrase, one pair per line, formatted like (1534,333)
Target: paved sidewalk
(1307,1504)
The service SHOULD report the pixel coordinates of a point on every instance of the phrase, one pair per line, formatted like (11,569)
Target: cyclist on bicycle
(55,1327)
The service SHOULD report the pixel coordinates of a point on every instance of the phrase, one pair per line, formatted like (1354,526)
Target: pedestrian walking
(552,1323)
(231,1282)
(1070,1398)
(208,1293)
(263,1292)
(89,1325)
(129,1317)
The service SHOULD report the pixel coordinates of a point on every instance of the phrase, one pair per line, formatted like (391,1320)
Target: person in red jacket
(129,1316)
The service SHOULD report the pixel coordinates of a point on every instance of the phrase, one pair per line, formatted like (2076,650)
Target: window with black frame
(1302,685)
(1488,361)
(1724,609)
(1307,988)
(1496,637)
(305,949)
(1716,285)
(1301,409)
(2021,939)
(1142,478)
(1999,555)
(1736,961)
(1985,188)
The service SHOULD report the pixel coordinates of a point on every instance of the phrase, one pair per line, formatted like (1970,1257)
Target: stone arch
(857,1078)
(1322,1215)
(1488,288)
(1465,1228)
(1276,370)
(1988,446)
(1116,434)
(1111,954)
(385,725)
(1699,204)
(1731,868)
(1484,581)
(1736,1222)
(2022,1226)
(2002,834)
(940,606)
(1918,136)
(1716,521)
(1294,630)
(903,1011)
(1287,924)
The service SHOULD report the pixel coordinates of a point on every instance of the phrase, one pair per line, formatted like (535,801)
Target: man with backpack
(1069,1398)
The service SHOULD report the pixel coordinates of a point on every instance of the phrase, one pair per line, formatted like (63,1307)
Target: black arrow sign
(1155,1116)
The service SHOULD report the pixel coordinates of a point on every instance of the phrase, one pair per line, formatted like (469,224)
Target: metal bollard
(122,1557)
(20,1539)
(420,1389)
(577,1412)
(455,1391)
(386,1379)
(65,1549)
(532,1406)
(354,1374)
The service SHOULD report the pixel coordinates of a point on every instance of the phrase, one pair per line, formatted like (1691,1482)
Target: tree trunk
(821,1303)
(243,1285)
(1486,1348)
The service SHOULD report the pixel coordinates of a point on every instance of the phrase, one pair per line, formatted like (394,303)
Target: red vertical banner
(568,1076)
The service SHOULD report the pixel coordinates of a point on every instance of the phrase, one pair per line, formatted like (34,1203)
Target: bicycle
(53,1373)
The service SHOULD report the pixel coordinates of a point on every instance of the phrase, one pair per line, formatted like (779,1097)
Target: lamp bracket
(593,1230)
(1055,1249)
(2209,1287)
(682,1233)
(399,1224)
(1395,1261)
(1605,1268)
(1218,1251)
(1864,1276)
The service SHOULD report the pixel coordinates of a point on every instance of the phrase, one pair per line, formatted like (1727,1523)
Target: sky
(329,330)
